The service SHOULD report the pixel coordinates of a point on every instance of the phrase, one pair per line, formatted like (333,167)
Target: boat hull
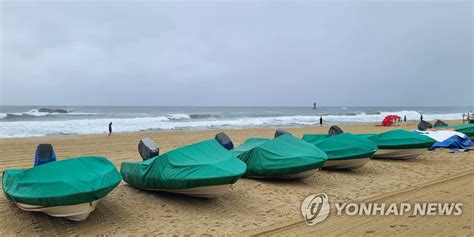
(300,175)
(78,212)
(346,164)
(399,154)
(202,192)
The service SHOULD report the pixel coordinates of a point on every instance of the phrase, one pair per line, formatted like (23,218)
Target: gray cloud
(237,53)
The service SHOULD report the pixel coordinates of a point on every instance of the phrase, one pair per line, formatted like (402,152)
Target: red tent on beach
(390,119)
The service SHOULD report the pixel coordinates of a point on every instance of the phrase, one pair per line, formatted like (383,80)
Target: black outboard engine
(44,154)
(439,123)
(335,130)
(148,148)
(225,141)
(424,125)
(280,132)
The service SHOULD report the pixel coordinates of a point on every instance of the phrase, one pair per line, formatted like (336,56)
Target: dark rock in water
(373,113)
(202,116)
(334,130)
(50,110)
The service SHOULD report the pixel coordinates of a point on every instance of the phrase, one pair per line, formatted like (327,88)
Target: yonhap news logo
(315,208)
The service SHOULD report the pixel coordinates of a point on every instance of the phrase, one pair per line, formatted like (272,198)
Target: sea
(32,121)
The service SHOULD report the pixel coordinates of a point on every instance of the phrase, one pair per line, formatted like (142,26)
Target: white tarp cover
(441,135)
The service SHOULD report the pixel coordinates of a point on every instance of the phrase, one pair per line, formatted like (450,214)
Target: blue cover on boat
(454,143)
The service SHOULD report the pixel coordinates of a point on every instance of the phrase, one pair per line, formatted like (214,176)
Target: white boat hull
(203,192)
(78,212)
(301,175)
(346,164)
(399,154)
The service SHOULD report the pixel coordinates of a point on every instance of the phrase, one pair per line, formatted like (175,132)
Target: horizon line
(249,106)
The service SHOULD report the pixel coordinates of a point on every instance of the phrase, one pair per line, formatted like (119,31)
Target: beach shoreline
(410,125)
(25,121)
(250,205)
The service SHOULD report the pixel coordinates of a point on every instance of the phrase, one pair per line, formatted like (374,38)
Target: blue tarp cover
(454,143)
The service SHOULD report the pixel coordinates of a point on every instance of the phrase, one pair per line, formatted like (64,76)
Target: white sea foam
(83,126)
(183,121)
(36,113)
(373,118)
(178,116)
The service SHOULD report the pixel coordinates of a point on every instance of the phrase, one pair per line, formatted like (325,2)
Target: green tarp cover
(283,155)
(365,135)
(342,146)
(467,129)
(205,163)
(401,139)
(314,138)
(60,183)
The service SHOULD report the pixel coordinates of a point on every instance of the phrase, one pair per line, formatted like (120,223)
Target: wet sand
(252,205)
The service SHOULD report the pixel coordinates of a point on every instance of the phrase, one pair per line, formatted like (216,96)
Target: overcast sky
(395,53)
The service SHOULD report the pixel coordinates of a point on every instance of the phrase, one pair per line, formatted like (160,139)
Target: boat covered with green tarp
(401,139)
(283,157)
(59,183)
(400,144)
(202,169)
(68,188)
(344,151)
(467,129)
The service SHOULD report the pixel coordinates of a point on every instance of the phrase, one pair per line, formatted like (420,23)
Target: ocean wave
(203,116)
(88,126)
(181,122)
(178,116)
(52,110)
(372,113)
(378,117)
(35,113)
(44,112)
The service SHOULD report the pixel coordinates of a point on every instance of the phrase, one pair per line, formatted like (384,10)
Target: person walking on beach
(110,128)
(320,120)
(405,118)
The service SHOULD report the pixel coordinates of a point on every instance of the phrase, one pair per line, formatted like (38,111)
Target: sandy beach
(252,206)
(92,79)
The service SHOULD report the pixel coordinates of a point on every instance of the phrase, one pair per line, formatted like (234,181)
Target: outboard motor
(280,132)
(439,123)
(424,125)
(148,148)
(44,154)
(334,130)
(225,141)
